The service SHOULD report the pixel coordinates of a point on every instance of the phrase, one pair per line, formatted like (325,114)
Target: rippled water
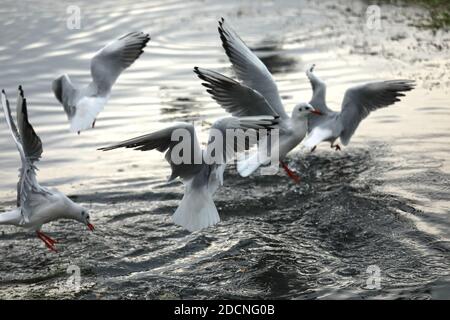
(382,201)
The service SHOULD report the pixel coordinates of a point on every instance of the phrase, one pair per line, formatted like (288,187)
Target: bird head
(84,218)
(302,110)
(75,211)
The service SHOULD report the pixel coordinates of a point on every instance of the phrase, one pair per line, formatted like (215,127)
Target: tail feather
(196,210)
(316,136)
(247,166)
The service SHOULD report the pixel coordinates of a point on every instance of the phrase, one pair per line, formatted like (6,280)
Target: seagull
(257,94)
(82,105)
(358,102)
(201,173)
(36,205)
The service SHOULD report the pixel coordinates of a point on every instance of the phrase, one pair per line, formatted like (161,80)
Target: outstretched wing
(237,99)
(32,144)
(30,149)
(249,68)
(183,134)
(109,62)
(231,135)
(12,125)
(66,93)
(361,100)
(319,89)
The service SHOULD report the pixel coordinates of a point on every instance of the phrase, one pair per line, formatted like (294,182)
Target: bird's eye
(87,217)
(300,109)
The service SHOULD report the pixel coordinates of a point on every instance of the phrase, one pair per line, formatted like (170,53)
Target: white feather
(316,136)
(196,210)
(87,110)
(11,217)
(247,166)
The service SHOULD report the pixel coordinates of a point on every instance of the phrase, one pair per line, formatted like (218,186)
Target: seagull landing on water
(256,95)
(358,102)
(82,105)
(36,205)
(201,176)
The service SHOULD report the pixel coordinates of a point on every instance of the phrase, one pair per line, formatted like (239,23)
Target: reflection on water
(273,57)
(383,201)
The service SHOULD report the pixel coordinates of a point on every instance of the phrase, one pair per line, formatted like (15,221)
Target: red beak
(91,226)
(317,112)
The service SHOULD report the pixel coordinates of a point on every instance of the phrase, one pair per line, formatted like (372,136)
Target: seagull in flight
(83,104)
(358,102)
(256,94)
(36,205)
(201,173)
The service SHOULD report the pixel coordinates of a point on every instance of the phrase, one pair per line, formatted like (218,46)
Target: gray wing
(361,100)
(32,144)
(30,149)
(249,68)
(109,62)
(164,140)
(66,93)
(319,89)
(236,134)
(235,98)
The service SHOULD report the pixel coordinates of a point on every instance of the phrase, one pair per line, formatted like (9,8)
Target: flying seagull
(358,102)
(200,175)
(83,104)
(257,94)
(36,205)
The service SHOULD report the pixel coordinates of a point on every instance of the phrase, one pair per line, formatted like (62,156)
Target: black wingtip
(220,27)
(109,148)
(409,84)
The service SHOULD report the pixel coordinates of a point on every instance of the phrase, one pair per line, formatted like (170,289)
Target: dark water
(382,202)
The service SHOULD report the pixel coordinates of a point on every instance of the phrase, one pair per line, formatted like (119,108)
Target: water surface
(383,201)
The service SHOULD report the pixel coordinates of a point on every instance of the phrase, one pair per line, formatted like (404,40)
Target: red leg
(290,173)
(52,241)
(49,242)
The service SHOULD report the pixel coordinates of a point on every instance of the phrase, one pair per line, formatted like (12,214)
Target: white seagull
(82,105)
(200,175)
(358,102)
(36,205)
(256,95)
